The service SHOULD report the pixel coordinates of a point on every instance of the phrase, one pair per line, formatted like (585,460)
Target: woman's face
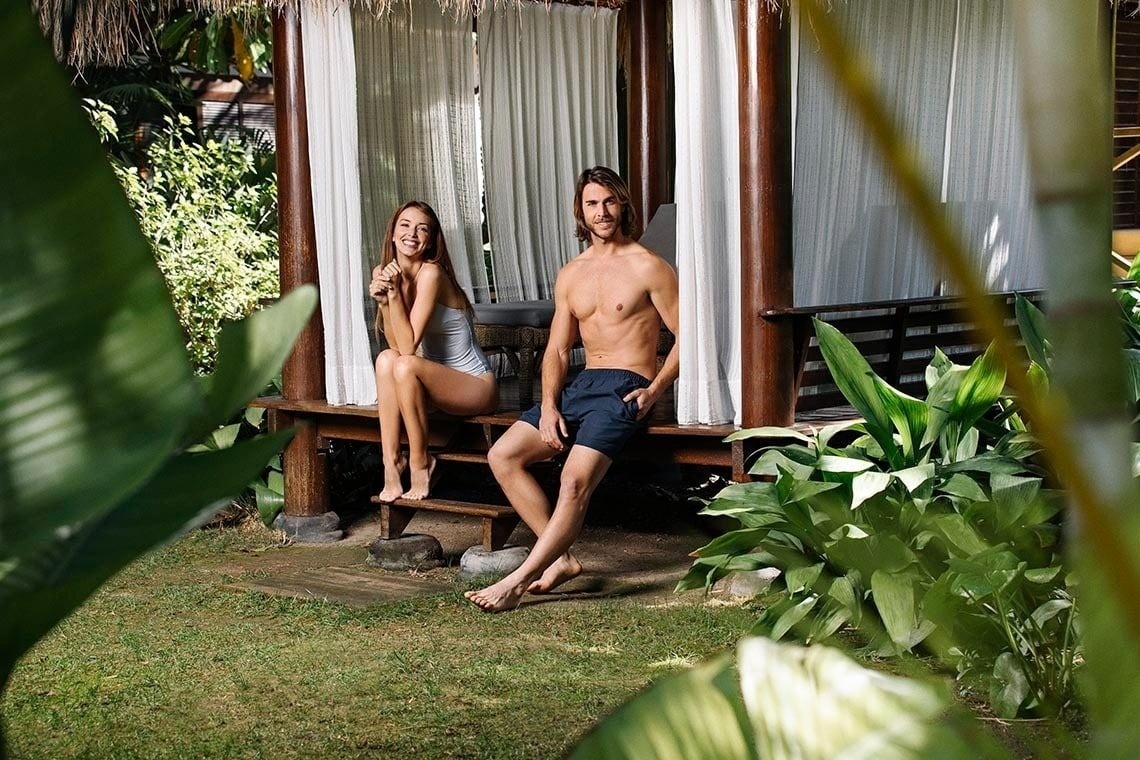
(413,232)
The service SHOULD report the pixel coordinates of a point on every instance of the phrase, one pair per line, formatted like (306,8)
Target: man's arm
(663,293)
(555,364)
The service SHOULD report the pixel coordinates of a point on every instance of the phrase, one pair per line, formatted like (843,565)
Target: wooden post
(649,117)
(767,345)
(303,376)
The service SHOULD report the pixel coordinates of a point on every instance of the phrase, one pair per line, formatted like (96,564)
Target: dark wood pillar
(303,376)
(649,116)
(767,345)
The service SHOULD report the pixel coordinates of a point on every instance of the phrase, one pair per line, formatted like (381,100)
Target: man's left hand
(645,401)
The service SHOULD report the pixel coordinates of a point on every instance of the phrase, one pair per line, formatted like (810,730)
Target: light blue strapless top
(450,340)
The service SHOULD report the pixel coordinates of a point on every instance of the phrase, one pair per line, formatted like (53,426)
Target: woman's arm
(410,304)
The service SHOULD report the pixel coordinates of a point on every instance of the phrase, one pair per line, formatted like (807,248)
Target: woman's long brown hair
(436,252)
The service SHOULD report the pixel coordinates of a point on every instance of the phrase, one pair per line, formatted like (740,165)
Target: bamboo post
(767,345)
(303,373)
(649,120)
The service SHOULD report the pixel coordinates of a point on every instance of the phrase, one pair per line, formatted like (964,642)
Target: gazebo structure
(767,72)
(766,266)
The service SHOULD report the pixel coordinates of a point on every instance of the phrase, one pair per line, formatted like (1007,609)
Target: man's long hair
(435,252)
(609,179)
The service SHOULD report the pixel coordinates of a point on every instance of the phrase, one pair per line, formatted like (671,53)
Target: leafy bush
(930,527)
(209,211)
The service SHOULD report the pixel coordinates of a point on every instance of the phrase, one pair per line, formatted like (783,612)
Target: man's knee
(575,486)
(504,458)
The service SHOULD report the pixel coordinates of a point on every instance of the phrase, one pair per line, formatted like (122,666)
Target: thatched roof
(105,32)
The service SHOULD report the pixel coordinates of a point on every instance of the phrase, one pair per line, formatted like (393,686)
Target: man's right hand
(552,428)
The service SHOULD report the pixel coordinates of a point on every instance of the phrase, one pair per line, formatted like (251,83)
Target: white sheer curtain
(946,67)
(987,176)
(330,92)
(708,211)
(419,138)
(549,109)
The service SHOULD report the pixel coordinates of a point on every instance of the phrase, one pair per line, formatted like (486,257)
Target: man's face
(601,211)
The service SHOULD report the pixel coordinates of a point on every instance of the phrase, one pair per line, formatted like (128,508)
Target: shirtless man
(615,295)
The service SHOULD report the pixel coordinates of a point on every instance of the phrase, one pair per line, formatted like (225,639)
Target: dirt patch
(617,562)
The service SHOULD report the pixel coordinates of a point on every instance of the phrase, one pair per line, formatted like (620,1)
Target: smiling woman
(432,357)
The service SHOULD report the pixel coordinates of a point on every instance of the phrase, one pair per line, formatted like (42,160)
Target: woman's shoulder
(432,275)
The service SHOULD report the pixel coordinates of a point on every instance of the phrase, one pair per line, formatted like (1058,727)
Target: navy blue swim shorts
(594,411)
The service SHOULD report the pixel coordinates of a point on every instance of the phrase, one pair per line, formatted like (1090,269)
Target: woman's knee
(405,367)
(385,362)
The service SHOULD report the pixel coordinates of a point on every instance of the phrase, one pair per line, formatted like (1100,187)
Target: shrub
(929,526)
(209,211)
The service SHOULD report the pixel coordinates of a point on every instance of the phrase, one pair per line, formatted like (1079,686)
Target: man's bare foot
(563,569)
(393,486)
(421,482)
(500,597)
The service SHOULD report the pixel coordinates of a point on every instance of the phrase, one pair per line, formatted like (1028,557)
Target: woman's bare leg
(419,381)
(388,411)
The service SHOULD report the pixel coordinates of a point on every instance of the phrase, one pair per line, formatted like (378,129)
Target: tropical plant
(778,700)
(930,523)
(1085,434)
(209,209)
(98,403)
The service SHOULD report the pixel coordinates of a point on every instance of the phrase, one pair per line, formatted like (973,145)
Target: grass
(167,662)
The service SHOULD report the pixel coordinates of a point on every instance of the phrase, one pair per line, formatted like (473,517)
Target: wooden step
(497,521)
(469,457)
(470,508)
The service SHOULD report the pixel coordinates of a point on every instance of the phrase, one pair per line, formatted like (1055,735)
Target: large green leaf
(894,599)
(695,714)
(813,703)
(909,416)
(95,387)
(46,584)
(980,389)
(856,381)
(250,353)
(1031,324)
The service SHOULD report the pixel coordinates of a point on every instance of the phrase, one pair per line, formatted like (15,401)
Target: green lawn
(166,662)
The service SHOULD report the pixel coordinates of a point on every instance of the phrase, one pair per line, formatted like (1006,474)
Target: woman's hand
(393,274)
(380,286)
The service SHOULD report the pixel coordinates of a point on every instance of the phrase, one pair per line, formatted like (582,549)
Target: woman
(422,308)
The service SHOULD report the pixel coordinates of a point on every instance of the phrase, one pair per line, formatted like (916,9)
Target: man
(614,295)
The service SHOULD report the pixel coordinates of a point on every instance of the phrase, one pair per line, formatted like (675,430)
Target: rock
(310,529)
(477,562)
(411,552)
(746,584)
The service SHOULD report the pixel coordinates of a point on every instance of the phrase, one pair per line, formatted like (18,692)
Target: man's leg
(581,474)
(519,448)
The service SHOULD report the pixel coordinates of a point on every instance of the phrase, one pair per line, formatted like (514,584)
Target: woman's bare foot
(393,486)
(500,597)
(421,482)
(563,569)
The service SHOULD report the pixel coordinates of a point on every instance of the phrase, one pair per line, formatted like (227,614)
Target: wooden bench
(898,339)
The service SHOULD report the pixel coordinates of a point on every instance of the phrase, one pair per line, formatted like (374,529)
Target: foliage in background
(209,209)
(1031,323)
(240,41)
(98,403)
(930,527)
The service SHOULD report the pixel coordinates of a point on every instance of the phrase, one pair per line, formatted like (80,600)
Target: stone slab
(355,587)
